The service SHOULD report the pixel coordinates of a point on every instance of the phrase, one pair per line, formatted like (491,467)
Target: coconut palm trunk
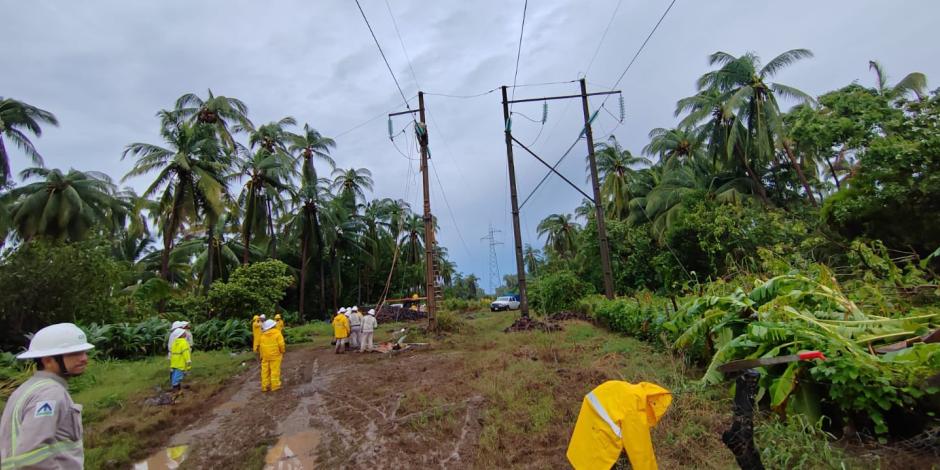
(799,171)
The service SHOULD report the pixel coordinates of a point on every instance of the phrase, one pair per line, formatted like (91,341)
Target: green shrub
(306,332)
(252,289)
(449,322)
(798,443)
(557,291)
(42,283)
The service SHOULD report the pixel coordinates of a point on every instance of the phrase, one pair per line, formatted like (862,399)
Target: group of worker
(353,330)
(268,343)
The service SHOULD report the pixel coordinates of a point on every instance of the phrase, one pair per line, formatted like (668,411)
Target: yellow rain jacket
(180,354)
(617,415)
(255,332)
(340,326)
(271,347)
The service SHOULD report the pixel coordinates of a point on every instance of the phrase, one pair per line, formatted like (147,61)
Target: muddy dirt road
(334,411)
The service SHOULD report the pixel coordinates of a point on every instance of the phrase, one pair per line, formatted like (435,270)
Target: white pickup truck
(508,302)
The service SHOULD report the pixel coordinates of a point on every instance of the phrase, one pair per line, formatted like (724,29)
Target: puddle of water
(167,459)
(293,452)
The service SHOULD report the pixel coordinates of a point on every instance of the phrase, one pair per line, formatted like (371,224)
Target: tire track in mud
(334,411)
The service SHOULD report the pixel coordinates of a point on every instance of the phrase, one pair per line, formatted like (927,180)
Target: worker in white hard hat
(41,426)
(369,323)
(355,327)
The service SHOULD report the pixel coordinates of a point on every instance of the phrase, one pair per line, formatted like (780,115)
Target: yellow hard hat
(277,317)
(255,318)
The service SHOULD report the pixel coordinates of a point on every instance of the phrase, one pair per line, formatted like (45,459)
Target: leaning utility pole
(514,198)
(596,199)
(421,131)
(598,202)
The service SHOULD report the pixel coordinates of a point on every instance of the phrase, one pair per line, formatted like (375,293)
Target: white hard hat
(355,308)
(342,310)
(263,316)
(268,324)
(179,324)
(371,311)
(61,338)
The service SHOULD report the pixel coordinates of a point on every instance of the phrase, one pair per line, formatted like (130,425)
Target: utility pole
(598,202)
(494,262)
(421,131)
(514,198)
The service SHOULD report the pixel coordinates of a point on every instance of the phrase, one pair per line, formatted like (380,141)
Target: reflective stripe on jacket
(180,357)
(41,426)
(340,326)
(617,416)
(272,344)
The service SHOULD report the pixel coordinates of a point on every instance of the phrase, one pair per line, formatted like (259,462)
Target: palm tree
(217,112)
(349,184)
(308,145)
(744,87)
(341,229)
(64,206)
(674,146)
(191,177)
(560,233)
(914,82)
(268,171)
(531,257)
(614,167)
(662,204)
(16,119)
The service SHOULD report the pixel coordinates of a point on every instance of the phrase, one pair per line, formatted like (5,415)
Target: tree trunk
(761,191)
(272,249)
(335,285)
(210,259)
(246,239)
(303,272)
(799,171)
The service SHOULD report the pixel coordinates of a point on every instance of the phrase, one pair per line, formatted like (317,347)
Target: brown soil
(529,324)
(339,411)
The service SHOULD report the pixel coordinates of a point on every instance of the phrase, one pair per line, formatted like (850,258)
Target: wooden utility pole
(516,232)
(598,202)
(422,130)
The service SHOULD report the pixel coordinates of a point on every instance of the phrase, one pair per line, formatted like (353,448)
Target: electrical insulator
(623,109)
(390,129)
(544,111)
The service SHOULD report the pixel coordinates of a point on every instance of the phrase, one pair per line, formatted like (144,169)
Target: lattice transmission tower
(494,279)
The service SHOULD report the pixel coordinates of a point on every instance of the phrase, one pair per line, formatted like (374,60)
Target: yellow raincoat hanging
(617,416)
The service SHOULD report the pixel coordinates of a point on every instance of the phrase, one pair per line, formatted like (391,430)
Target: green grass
(118,427)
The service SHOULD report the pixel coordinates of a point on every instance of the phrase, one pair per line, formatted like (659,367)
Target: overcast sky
(106,67)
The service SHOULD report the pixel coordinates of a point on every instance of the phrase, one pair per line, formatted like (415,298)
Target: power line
(357,126)
(627,69)
(400,41)
(603,36)
(383,54)
(642,46)
(515,75)
(449,210)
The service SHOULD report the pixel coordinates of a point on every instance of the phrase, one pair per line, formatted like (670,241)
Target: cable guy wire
(383,54)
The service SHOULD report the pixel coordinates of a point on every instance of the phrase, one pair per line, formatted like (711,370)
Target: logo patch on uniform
(45,408)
